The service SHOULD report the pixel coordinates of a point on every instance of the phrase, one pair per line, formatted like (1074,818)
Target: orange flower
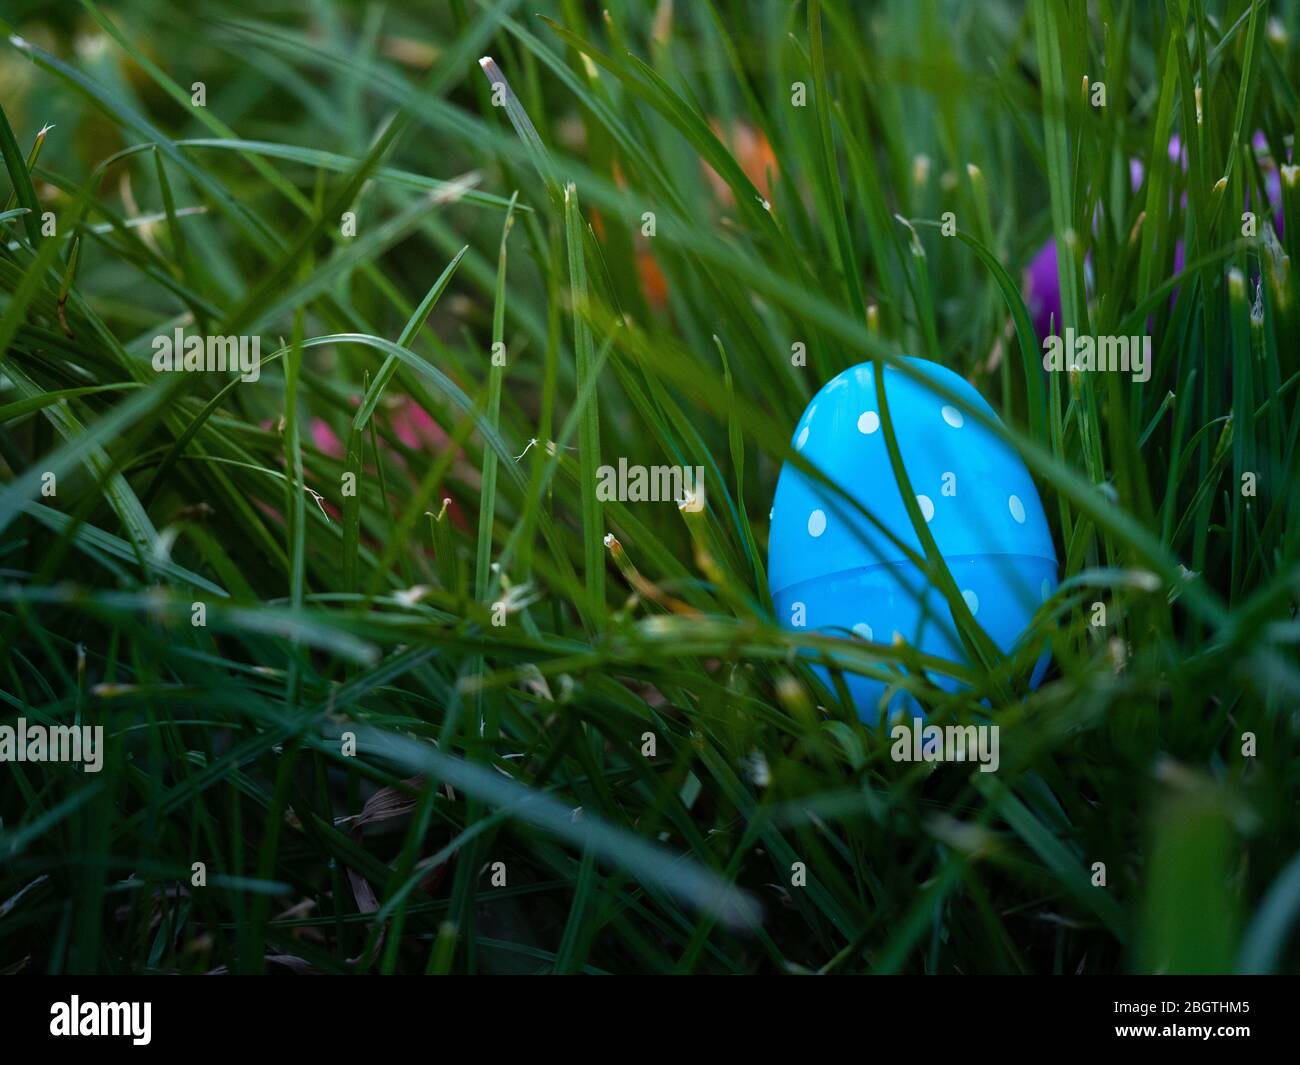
(654,286)
(752,151)
(653,282)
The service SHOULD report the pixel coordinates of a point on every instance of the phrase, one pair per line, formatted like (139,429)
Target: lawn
(392,403)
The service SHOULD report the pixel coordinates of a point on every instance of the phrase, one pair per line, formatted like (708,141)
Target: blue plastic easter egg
(832,571)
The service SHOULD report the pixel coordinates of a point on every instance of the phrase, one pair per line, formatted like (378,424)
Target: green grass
(516,750)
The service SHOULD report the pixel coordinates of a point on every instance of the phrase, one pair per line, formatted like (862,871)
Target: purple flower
(1043,289)
(1272,179)
(1042,280)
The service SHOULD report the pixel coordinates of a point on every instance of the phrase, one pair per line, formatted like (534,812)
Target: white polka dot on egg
(972,600)
(927,507)
(864,630)
(953,417)
(816,523)
(868,422)
(1017,509)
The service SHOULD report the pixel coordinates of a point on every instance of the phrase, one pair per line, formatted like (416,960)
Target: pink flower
(415,428)
(325,439)
(410,423)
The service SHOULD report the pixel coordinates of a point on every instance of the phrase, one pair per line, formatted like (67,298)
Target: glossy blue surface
(839,573)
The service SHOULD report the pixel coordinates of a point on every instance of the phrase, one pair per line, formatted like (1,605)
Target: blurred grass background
(504,811)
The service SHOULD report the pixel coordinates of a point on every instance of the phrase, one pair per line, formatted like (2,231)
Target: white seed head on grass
(1237,284)
(413,595)
(1146,580)
(918,250)
(693,501)
(453,190)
